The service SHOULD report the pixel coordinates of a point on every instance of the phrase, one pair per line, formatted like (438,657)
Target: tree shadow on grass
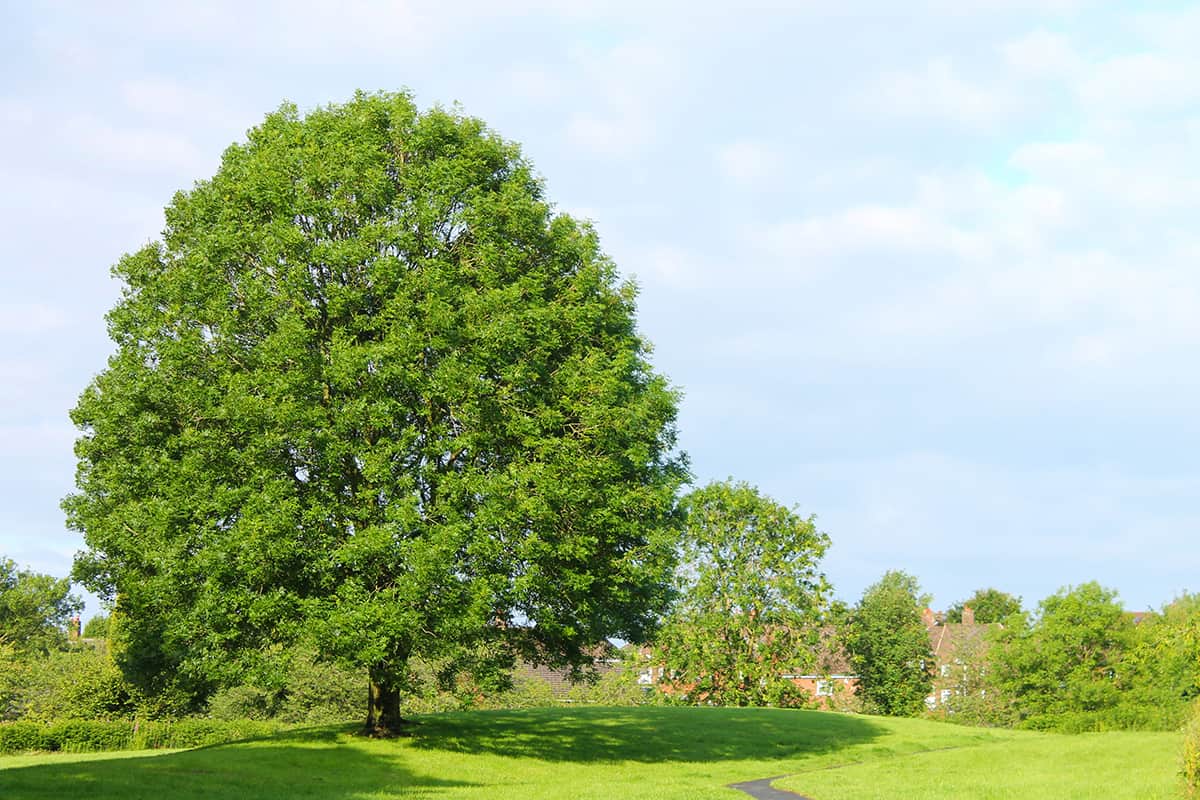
(648,734)
(311,763)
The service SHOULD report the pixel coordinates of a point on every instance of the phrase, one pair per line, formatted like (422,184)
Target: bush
(74,684)
(96,627)
(618,687)
(312,692)
(83,736)
(1191,754)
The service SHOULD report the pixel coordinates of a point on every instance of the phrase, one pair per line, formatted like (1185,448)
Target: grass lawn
(685,753)
(1094,766)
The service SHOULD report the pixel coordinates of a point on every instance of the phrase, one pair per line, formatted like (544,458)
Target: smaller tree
(889,646)
(34,609)
(749,598)
(989,605)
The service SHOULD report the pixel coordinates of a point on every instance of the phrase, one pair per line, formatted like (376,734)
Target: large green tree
(889,646)
(371,387)
(749,598)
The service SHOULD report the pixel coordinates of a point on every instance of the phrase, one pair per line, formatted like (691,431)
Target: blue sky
(927,271)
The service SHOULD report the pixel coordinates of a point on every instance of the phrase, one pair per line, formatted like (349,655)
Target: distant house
(605,658)
(958,648)
(833,676)
(829,679)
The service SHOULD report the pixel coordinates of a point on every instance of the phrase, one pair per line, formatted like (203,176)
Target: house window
(824,688)
(946,695)
(945,670)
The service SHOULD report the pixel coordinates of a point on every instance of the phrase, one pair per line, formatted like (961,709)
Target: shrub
(75,684)
(1191,754)
(81,736)
(96,627)
(619,687)
(312,692)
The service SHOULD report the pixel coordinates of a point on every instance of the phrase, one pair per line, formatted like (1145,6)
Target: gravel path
(763,790)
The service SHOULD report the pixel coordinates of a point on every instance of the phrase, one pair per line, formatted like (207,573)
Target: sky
(925,270)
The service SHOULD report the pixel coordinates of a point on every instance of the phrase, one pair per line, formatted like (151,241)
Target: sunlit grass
(685,753)
(1097,766)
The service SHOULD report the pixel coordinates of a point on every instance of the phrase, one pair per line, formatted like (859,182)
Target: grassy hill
(686,753)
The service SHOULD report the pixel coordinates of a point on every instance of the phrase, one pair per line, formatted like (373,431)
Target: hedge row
(81,736)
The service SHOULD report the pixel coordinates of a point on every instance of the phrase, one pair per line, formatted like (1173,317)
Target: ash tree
(749,598)
(371,389)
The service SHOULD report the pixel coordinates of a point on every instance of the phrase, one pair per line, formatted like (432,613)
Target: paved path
(763,790)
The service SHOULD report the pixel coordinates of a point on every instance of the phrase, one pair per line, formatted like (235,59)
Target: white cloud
(627,83)
(536,84)
(671,266)
(1140,83)
(1057,157)
(608,135)
(1041,54)
(747,162)
(867,228)
(135,149)
(938,92)
(16,113)
(164,98)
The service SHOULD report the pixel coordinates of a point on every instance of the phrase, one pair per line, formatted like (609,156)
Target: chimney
(968,615)
(927,616)
(73,628)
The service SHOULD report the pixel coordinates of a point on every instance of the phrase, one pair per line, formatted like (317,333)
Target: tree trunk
(383,707)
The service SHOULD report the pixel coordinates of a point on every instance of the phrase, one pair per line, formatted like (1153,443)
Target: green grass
(685,753)
(1090,766)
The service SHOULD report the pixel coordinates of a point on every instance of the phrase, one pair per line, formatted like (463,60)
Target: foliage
(989,605)
(12,681)
(1191,753)
(34,609)
(1066,662)
(370,386)
(889,646)
(749,598)
(83,736)
(310,691)
(1163,660)
(618,687)
(75,684)
(96,627)
(974,698)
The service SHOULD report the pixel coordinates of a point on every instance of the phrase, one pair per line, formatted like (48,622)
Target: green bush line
(83,736)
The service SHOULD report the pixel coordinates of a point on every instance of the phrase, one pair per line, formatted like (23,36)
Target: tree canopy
(34,609)
(889,646)
(1066,660)
(750,597)
(370,387)
(990,605)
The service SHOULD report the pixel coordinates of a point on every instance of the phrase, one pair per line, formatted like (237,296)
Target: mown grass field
(685,753)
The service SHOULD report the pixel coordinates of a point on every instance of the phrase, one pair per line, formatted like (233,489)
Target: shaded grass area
(1094,766)
(684,753)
